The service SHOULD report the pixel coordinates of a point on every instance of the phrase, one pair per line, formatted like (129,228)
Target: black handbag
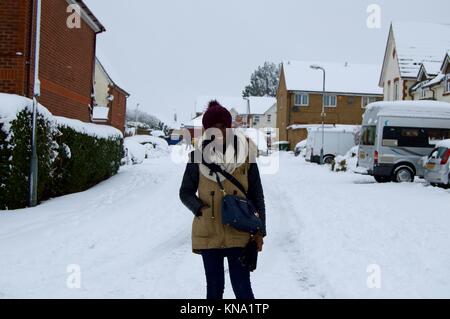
(237,212)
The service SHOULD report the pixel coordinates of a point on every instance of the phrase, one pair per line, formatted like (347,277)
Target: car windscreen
(368,134)
(438,152)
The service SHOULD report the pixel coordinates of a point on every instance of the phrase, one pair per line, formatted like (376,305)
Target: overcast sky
(168,52)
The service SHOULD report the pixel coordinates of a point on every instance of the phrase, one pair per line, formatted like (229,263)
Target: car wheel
(328,159)
(403,174)
(383,179)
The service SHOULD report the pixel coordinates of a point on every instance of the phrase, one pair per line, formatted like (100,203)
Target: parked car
(437,166)
(397,135)
(337,141)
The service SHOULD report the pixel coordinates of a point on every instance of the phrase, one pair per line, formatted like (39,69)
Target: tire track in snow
(284,229)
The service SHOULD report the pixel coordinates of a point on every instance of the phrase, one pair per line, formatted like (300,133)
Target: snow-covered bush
(72,155)
(339,164)
(15,154)
(347,162)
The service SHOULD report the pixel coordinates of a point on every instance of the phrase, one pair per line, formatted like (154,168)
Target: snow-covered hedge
(73,155)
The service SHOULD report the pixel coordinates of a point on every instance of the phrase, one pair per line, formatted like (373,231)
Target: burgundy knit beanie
(215,114)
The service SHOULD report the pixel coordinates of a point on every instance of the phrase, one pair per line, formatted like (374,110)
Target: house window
(350,100)
(396,90)
(256,118)
(366,100)
(447,83)
(301,99)
(330,100)
(424,93)
(269,118)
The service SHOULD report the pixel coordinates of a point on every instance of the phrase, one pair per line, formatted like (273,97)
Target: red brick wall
(67,63)
(14,29)
(118,108)
(67,57)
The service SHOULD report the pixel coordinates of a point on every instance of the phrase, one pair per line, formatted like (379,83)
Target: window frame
(330,96)
(447,84)
(301,95)
(396,96)
(423,94)
(370,99)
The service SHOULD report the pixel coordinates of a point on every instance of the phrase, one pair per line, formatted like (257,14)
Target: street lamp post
(323,115)
(136,119)
(248,111)
(33,178)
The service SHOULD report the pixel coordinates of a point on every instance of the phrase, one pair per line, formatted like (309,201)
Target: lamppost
(248,111)
(136,120)
(33,178)
(323,115)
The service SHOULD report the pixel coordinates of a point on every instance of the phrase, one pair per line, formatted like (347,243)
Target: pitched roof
(340,77)
(261,104)
(110,73)
(258,105)
(89,16)
(419,42)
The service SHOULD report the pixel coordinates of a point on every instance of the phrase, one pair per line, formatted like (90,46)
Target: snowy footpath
(330,235)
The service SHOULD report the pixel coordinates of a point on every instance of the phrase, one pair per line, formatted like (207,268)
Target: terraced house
(67,54)
(415,65)
(349,88)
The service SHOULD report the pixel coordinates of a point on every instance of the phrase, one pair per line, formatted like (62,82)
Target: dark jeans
(213,260)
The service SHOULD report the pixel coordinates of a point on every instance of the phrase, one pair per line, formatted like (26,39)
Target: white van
(338,140)
(396,136)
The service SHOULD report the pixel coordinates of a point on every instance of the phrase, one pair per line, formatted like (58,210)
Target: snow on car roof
(444,143)
(409,109)
(340,77)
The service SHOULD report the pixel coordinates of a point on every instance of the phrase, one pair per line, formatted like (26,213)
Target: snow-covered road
(130,236)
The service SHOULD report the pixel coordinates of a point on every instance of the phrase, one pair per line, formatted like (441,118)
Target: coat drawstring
(212,206)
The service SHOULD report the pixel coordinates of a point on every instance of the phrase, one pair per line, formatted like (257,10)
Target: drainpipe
(33,178)
(27,53)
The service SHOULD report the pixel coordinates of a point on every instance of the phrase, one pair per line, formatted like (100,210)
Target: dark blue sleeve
(189,188)
(256,193)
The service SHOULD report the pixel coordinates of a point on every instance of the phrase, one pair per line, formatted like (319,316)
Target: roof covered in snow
(419,42)
(407,109)
(108,68)
(443,143)
(258,105)
(195,123)
(340,77)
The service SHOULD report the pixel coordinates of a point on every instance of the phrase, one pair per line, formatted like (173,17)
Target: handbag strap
(216,169)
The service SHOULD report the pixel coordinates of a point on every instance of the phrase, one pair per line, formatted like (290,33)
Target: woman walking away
(222,180)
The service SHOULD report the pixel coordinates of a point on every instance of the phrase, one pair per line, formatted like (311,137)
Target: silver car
(437,167)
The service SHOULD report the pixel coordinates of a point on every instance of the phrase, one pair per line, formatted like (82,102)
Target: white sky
(168,52)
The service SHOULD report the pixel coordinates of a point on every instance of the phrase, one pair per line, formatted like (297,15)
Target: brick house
(67,56)
(349,88)
(414,53)
(110,103)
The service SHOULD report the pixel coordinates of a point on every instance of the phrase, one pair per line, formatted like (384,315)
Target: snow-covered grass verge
(72,155)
